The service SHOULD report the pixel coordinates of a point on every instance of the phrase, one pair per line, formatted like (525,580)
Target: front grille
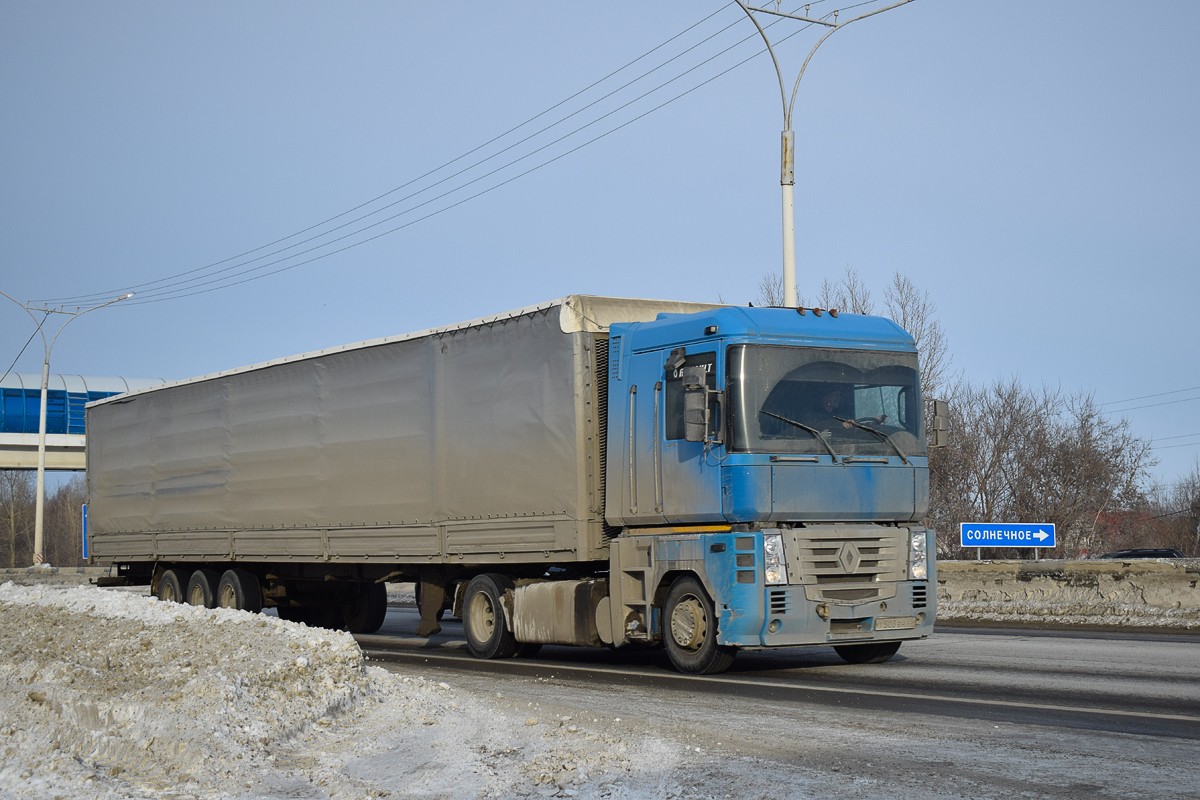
(920,595)
(779,604)
(849,563)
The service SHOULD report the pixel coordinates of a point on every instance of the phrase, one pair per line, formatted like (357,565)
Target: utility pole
(788,150)
(40,509)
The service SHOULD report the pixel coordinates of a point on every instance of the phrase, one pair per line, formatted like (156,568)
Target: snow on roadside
(109,694)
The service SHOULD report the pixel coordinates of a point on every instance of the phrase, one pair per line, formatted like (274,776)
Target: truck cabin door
(690,471)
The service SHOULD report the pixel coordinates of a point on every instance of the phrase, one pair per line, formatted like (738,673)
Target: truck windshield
(861,403)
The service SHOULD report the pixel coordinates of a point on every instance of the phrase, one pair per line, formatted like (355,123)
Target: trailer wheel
(202,588)
(365,612)
(691,630)
(239,589)
(170,586)
(872,653)
(488,635)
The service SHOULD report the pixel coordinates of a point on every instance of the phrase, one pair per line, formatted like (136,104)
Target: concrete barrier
(1136,594)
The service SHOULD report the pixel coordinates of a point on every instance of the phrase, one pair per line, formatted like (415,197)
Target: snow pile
(110,694)
(104,685)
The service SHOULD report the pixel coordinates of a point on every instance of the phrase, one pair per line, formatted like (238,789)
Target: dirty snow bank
(1139,594)
(108,694)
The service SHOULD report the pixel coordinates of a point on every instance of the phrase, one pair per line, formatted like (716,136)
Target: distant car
(1144,553)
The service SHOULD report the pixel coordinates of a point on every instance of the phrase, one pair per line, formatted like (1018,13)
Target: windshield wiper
(887,437)
(804,427)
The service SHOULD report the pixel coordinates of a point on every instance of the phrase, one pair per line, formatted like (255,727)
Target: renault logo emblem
(849,557)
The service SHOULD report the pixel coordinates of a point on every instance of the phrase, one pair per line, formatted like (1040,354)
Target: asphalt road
(967,712)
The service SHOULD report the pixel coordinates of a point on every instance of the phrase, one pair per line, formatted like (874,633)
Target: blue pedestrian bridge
(66,396)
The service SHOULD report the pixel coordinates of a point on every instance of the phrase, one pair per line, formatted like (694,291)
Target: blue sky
(1032,165)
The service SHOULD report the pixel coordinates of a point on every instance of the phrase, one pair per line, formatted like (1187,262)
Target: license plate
(895,623)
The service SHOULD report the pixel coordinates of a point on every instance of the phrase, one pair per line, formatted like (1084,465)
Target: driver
(827,409)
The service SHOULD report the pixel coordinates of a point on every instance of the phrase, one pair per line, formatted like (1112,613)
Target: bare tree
(849,294)
(770,290)
(1021,455)
(64,523)
(16,517)
(914,311)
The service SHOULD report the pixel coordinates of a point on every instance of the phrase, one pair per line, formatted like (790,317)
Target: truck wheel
(170,586)
(691,630)
(239,589)
(202,588)
(365,613)
(484,623)
(872,653)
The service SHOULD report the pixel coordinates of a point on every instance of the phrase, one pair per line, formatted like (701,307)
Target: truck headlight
(774,561)
(918,560)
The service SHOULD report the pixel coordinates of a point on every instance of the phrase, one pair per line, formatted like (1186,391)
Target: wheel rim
(228,597)
(167,592)
(483,617)
(196,597)
(689,623)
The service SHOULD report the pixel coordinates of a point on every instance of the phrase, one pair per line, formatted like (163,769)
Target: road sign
(1006,534)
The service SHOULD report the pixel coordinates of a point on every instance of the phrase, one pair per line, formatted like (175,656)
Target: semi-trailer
(589,471)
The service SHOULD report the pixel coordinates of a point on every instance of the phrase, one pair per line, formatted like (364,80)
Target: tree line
(1025,454)
(62,523)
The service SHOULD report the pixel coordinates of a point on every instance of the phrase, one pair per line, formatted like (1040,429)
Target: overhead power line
(1155,405)
(1172,446)
(183,292)
(1148,396)
(431,172)
(1180,436)
(193,282)
(27,341)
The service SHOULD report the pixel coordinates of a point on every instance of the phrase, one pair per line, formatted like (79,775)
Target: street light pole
(787,177)
(40,508)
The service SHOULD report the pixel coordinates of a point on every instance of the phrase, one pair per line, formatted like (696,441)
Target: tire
(871,653)
(170,586)
(365,613)
(239,589)
(202,588)
(484,623)
(690,630)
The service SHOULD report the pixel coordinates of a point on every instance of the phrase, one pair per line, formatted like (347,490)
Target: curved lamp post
(787,157)
(39,514)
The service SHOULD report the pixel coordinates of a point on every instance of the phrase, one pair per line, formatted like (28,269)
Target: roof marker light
(833,313)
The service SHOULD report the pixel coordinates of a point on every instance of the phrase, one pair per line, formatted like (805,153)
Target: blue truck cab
(768,470)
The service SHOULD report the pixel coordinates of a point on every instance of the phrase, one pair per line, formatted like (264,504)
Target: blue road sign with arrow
(1006,534)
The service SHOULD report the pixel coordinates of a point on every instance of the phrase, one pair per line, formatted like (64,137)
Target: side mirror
(695,404)
(939,426)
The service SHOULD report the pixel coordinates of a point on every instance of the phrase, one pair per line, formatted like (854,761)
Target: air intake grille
(602,428)
(779,604)
(920,595)
(614,346)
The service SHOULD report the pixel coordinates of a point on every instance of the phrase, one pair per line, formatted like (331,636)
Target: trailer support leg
(432,596)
